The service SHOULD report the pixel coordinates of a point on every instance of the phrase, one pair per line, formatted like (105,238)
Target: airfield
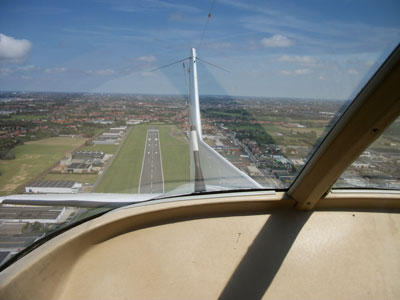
(143,166)
(129,172)
(151,176)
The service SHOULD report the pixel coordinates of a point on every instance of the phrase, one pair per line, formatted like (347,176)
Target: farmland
(32,160)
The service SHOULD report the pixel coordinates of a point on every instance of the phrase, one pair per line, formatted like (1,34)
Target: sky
(276,48)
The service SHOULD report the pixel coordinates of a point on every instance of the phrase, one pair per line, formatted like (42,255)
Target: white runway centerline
(152,177)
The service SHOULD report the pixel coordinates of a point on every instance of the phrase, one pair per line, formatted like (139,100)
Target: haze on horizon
(271,49)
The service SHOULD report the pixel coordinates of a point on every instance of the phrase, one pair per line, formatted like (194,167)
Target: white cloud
(306,60)
(105,72)
(277,40)
(148,59)
(55,70)
(28,68)
(12,49)
(352,71)
(370,62)
(5,71)
(296,72)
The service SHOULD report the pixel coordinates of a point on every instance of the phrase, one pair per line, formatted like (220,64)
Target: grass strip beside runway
(175,157)
(123,175)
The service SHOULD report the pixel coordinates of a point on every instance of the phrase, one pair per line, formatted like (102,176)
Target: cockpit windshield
(148,99)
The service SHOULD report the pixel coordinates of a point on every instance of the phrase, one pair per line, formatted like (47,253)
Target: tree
(9,155)
(26,226)
(36,226)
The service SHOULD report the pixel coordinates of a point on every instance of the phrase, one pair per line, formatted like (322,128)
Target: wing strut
(208,167)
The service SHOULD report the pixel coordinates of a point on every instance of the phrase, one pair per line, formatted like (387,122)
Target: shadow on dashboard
(264,257)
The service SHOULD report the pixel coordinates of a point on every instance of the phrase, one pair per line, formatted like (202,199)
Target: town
(66,143)
(269,139)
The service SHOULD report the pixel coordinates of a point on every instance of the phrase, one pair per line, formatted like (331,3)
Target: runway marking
(162,172)
(144,155)
(150,148)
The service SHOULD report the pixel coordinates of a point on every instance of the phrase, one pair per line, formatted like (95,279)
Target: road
(151,178)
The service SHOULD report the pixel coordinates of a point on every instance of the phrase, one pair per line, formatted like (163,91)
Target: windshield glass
(378,167)
(110,97)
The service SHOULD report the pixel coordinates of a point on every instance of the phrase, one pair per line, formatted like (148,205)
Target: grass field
(175,157)
(32,159)
(27,117)
(108,149)
(292,136)
(124,173)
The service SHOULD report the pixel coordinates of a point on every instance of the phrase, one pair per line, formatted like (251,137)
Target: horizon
(291,49)
(173,95)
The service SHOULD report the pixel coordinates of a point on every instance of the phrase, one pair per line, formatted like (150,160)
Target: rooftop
(79,166)
(52,183)
(29,212)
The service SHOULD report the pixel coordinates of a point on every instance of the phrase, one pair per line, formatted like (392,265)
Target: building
(106,140)
(120,128)
(30,214)
(103,122)
(79,168)
(133,122)
(92,155)
(254,171)
(53,187)
(280,159)
(109,141)
(359,165)
(66,160)
(113,134)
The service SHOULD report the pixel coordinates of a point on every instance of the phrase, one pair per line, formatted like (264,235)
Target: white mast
(194,95)
(195,124)
(207,165)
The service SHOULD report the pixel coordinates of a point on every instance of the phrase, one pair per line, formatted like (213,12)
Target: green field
(108,149)
(32,159)
(124,173)
(293,136)
(27,117)
(175,157)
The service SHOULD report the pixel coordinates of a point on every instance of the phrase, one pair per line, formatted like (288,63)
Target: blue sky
(305,49)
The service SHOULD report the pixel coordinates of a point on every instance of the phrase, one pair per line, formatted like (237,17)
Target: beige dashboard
(246,247)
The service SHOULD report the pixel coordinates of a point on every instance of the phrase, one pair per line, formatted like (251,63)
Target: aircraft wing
(89,200)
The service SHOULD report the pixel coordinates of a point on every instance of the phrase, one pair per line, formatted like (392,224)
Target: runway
(151,177)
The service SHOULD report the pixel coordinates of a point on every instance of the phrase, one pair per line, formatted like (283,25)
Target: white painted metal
(195,144)
(78,200)
(194,95)
(217,170)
